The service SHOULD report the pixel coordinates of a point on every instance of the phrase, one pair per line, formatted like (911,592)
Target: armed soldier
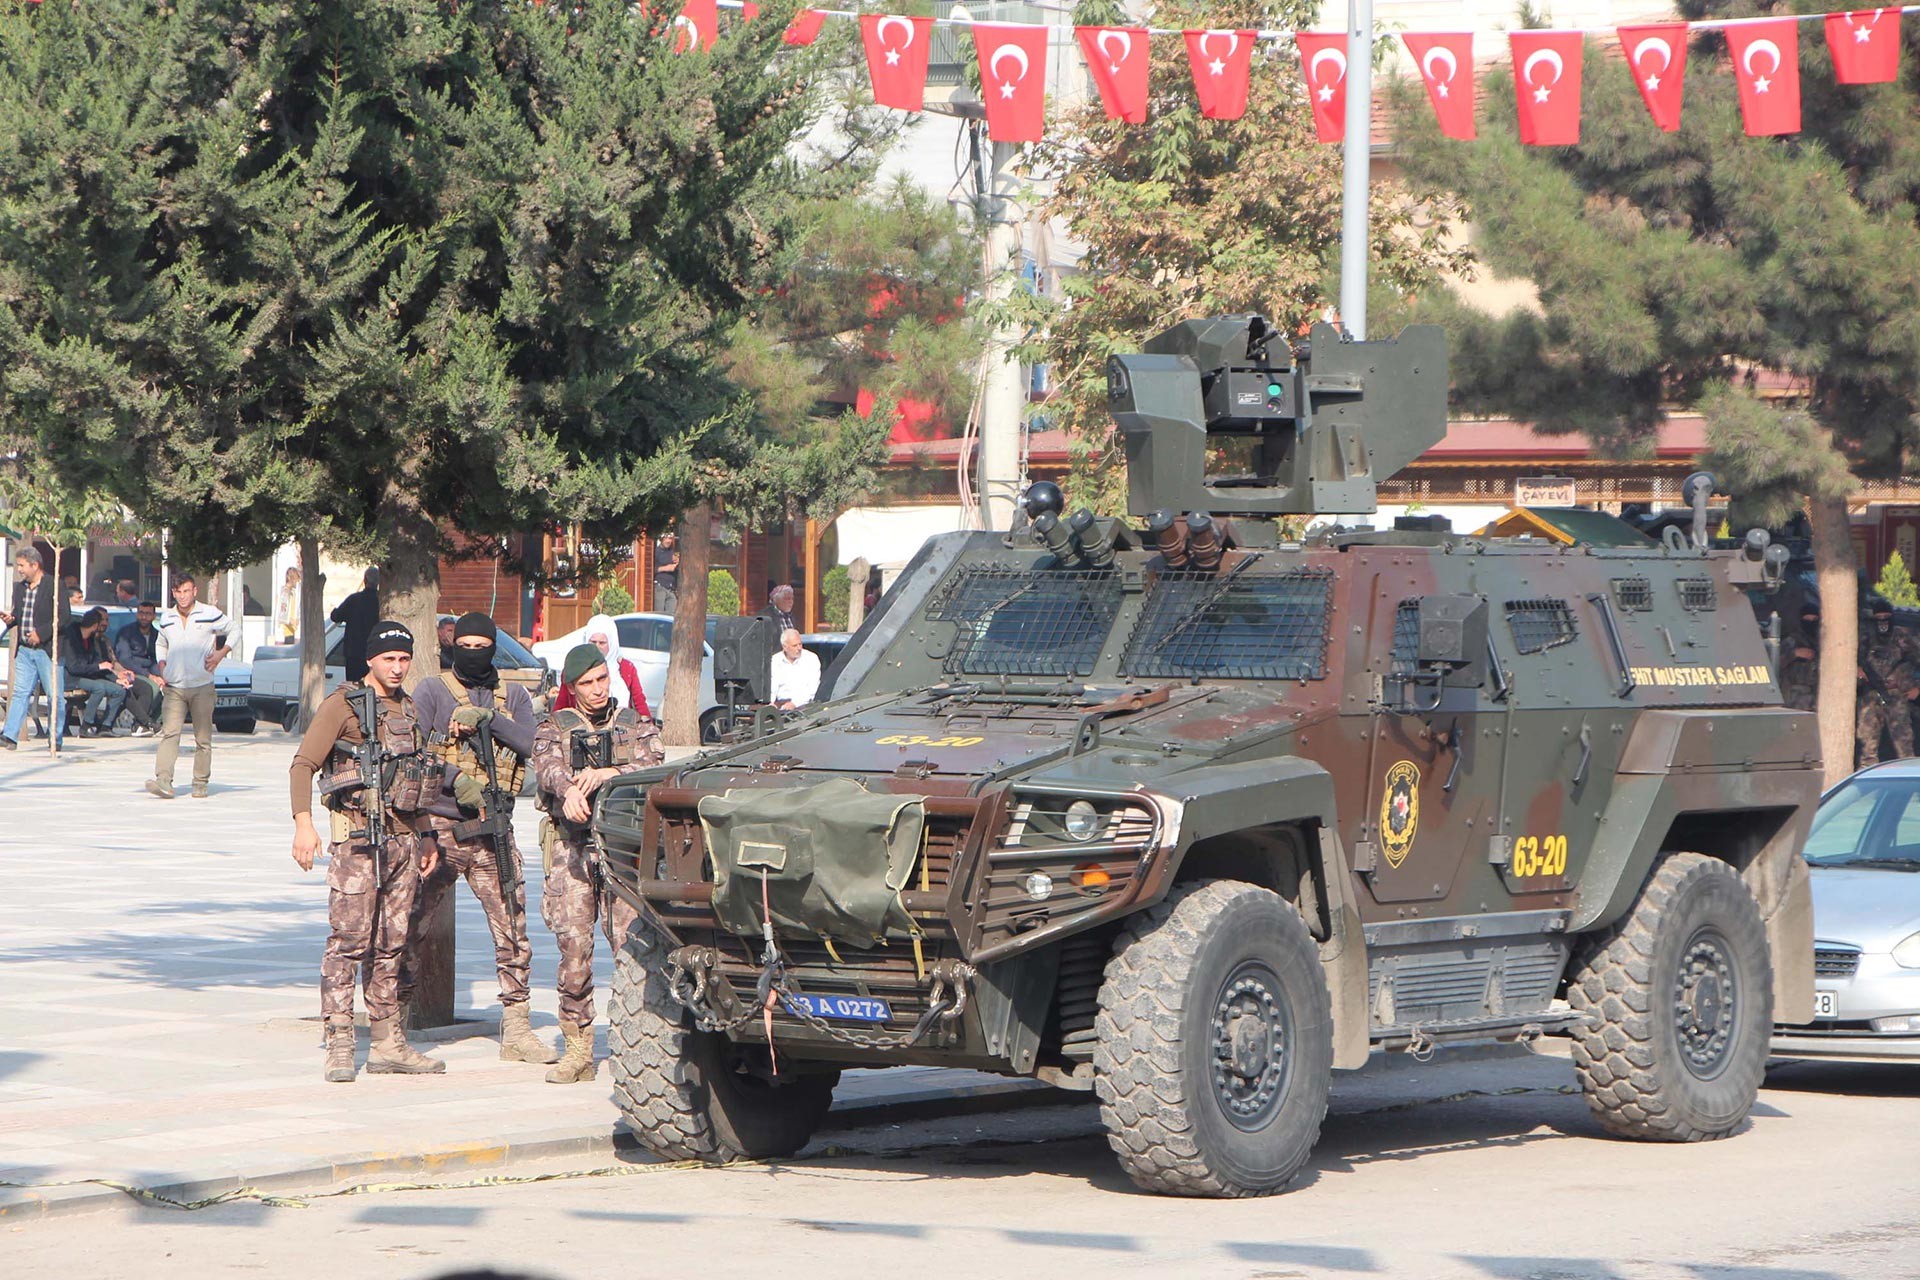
(1890,681)
(486,735)
(1800,673)
(368,744)
(576,752)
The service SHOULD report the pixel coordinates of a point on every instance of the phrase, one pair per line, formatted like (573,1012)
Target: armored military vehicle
(1183,813)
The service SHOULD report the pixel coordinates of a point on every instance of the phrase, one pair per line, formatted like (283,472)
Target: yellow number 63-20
(1539,856)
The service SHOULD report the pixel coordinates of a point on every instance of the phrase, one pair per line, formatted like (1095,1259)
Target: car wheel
(712,726)
(681,1090)
(290,717)
(1215,1049)
(1679,1001)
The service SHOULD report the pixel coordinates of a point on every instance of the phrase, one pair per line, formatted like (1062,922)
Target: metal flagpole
(1357,155)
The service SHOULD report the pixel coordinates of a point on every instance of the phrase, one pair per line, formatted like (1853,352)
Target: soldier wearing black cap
(369,897)
(452,710)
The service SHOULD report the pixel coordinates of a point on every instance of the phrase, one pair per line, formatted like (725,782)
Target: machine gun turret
(1331,418)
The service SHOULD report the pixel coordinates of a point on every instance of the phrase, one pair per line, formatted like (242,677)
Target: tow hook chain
(690,972)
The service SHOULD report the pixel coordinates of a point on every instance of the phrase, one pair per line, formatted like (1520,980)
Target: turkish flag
(1546,86)
(1117,57)
(1865,44)
(805,27)
(1323,65)
(897,58)
(1766,66)
(1222,64)
(1013,78)
(1657,55)
(1445,60)
(698,23)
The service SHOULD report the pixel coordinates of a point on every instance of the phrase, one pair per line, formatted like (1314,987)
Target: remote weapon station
(1185,813)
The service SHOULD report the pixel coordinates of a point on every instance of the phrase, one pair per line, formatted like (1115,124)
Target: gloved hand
(472,717)
(468,791)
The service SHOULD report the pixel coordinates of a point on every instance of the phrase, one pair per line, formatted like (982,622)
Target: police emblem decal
(1399,811)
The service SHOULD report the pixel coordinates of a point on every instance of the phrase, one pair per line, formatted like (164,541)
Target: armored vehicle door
(1438,745)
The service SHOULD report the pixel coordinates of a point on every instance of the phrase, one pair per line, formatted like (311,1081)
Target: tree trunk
(1836,572)
(858,574)
(313,632)
(410,595)
(688,653)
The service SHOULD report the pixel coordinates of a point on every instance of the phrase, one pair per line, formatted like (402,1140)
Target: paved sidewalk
(159,1000)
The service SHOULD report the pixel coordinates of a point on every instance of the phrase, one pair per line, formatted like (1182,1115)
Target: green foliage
(360,266)
(1194,217)
(835,604)
(613,600)
(1896,583)
(723,593)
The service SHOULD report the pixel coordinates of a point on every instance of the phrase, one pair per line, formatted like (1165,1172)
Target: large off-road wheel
(679,1089)
(1679,999)
(1216,1043)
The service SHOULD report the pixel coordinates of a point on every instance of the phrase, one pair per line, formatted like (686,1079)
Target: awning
(1567,525)
(888,537)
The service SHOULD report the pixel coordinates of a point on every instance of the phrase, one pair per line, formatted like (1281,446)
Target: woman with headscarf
(604,636)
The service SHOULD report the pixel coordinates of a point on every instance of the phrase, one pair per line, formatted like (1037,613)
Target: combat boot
(390,1053)
(517,1041)
(577,1066)
(339,1042)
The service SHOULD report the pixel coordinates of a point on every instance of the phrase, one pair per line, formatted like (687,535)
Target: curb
(20,1204)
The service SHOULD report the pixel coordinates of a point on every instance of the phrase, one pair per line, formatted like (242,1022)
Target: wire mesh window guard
(1019,622)
(1405,658)
(1539,625)
(1240,626)
(1697,594)
(1632,595)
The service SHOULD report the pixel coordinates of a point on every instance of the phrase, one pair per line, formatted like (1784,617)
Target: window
(1405,658)
(1539,625)
(1239,626)
(1023,622)
(633,633)
(1697,594)
(1632,595)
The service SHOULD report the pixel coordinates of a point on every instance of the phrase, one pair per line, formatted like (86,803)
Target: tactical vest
(626,740)
(399,732)
(508,765)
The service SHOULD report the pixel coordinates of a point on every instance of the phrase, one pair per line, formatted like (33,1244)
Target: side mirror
(1450,652)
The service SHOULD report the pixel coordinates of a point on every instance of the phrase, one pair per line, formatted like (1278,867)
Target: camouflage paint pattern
(367,922)
(473,861)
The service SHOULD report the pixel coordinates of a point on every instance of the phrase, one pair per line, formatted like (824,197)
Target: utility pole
(1003,400)
(1357,154)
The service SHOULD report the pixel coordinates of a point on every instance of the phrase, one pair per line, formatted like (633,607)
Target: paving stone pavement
(159,996)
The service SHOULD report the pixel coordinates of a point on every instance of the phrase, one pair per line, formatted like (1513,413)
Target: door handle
(1586,755)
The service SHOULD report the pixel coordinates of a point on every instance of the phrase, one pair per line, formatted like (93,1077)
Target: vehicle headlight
(1907,953)
(1083,822)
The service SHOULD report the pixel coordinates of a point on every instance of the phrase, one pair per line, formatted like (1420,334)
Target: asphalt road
(1487,1169)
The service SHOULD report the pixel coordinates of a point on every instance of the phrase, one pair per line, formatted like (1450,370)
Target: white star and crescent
(1440,53)
(880,33)
(1542,92)
(1768,47)
(1114,60)
(1327,87)
(1008,87)
(1658,44)
(1217,66)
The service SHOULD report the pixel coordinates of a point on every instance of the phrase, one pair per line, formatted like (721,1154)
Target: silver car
(1864,853)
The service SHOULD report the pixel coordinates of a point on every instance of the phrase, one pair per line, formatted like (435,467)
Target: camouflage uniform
(472,861)
(1895,659)
(571,901)
(1800,683)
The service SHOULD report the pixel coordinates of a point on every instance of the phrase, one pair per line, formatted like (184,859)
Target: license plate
(1826,1004)
(232,700)
(844,1008)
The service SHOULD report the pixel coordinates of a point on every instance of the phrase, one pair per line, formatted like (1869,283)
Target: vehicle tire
(675,1086)
(1679,998)
(290,717)
(711,726)
(1215,1045)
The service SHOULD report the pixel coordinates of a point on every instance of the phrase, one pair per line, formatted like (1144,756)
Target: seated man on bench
(89,666)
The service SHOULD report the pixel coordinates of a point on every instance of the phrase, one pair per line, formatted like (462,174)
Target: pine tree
(1678,270)
(1896,583)
(1190,217)
(369,268)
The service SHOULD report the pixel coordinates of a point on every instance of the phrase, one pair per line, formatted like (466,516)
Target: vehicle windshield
(509,652)
(1868,822)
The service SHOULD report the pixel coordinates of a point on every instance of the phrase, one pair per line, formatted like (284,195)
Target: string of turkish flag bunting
(1765,52)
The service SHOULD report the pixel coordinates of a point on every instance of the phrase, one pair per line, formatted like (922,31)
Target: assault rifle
(495,821)
(372,758)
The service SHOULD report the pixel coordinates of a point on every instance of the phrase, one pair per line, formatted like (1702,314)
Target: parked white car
(644,638)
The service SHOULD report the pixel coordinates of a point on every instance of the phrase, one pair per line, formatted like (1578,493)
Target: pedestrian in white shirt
(796,673)
(190,641)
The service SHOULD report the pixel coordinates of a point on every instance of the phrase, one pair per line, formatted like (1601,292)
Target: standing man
(357,613)
(369,891)
(1889,682)
(135,648)
(32,619)
(666,571)
(575,753)
(796,674)
(191,641)
(452,712)
(89,665)
(290,606)
(1800,673)
(780,608)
